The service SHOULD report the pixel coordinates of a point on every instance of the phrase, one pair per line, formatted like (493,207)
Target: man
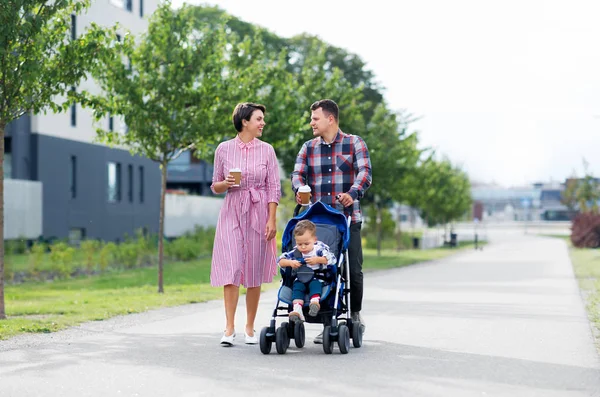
(337,168)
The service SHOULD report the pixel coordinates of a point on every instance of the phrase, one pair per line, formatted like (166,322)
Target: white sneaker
(251,340)
(319,339)
(227,341)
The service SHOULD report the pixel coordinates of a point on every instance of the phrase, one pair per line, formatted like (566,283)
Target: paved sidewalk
(506,321)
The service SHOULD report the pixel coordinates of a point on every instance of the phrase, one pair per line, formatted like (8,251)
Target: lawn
(51,306)
(586,265)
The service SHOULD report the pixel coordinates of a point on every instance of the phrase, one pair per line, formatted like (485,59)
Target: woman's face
(256,123)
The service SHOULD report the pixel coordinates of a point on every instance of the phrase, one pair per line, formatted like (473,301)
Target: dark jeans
(355,255)
(299,289)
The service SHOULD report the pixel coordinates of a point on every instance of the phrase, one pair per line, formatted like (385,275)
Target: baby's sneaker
(297,315)
(314,307)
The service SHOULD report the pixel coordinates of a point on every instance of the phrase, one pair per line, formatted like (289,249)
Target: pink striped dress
(241,253)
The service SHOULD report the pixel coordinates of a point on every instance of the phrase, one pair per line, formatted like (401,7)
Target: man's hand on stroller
(345,199)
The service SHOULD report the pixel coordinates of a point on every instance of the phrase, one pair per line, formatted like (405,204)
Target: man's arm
(300,169)
(362,162)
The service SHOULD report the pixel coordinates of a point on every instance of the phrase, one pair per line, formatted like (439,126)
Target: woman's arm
(220,181)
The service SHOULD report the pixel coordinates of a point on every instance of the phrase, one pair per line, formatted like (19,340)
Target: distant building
(540,201)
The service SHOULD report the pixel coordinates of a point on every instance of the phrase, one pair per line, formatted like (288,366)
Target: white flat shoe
(251,340)
(227,341)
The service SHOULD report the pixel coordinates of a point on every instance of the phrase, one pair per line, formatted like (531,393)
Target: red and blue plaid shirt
(342,166)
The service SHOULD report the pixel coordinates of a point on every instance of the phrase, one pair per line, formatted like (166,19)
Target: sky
(508,90)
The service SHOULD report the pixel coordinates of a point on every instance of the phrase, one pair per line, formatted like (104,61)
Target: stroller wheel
(343,338)
(327,343)
(357,335)
(290,331)
(299,335)
(282,341)
(265,342)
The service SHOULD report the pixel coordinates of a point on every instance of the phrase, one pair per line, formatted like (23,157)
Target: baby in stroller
(314,254)
(324,263)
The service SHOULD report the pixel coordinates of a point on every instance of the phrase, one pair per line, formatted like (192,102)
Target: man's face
(320,122)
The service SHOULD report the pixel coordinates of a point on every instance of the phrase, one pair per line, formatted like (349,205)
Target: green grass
(586,266)
(38,307)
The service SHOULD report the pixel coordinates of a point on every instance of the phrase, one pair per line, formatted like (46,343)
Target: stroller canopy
(320,214)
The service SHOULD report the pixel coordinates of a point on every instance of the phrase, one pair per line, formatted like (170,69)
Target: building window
(118,3)
(73,27)
(141,184)
(114,182)
(118,37)
(73,111)
(130,183)
(76,236)
(73,176)
(111,123)
(129,5)
(7,163)
(141,8)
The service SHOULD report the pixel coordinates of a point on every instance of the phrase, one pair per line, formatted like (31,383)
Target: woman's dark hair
(328,106)
(243,111)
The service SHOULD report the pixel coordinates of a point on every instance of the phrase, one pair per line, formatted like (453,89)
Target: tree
(588,191)
(445,192)
(394,157)
(569,195)
(39,63)
(294,73)
(170,90)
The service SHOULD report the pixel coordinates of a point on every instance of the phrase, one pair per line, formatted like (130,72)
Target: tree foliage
(39,63)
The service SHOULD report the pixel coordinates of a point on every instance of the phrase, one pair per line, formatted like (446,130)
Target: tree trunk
(161,225)
(378,230)
(399,231)
(2,308)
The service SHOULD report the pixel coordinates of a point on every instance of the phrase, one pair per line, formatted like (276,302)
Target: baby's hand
(295,264)
(315,260)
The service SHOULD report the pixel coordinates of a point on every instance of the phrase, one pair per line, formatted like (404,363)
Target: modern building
(88,189)
(540,201)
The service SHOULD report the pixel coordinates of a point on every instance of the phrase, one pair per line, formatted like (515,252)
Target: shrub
(126,254)
(90,248)
(15,247)
(61,259)
(36,257)
(107,255)
(585,230)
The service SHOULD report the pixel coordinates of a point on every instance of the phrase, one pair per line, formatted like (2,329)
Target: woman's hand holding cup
(229,181)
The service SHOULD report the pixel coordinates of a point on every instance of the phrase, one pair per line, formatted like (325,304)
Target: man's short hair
(329,108)
(305,226)
(243,111)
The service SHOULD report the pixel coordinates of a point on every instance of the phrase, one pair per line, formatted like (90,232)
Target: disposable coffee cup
(237,175)
(304,193)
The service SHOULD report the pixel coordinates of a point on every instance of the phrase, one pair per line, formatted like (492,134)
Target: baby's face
(306,242)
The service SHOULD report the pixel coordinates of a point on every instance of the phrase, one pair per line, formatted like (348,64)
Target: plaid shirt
(342,166)
(320,249)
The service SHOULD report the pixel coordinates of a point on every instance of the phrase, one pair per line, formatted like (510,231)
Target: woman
(244,249)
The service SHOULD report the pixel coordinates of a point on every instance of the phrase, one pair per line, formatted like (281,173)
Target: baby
(315,253)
